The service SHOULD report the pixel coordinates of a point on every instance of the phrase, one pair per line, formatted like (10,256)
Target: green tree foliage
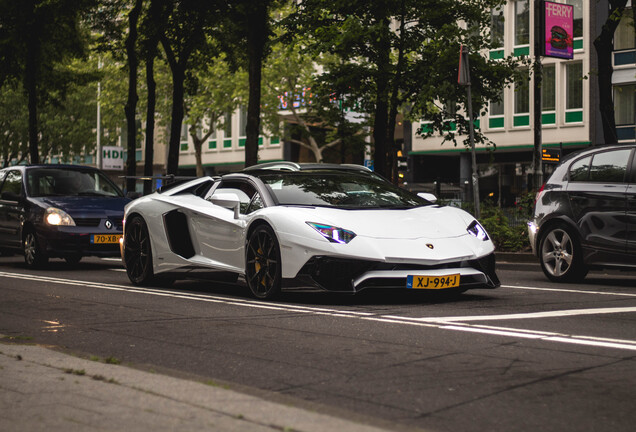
(13,123)
(604,45)
(183,40)
(246,38)
(391,55)
(213,91)
(38,37)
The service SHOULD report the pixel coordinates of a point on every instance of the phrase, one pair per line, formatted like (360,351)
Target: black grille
(87,222)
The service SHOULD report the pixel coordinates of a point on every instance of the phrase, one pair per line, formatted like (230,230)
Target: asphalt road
(528,356)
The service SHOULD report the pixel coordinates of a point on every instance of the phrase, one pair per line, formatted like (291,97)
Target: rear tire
(560,255)
(138,252)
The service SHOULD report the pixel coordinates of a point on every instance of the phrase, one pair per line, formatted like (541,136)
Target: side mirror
(427,196)
(227,200)
(11,196)
(133,195)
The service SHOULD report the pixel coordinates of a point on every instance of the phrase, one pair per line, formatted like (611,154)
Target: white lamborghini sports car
(337,227)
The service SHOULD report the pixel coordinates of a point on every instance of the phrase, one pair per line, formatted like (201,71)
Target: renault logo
(430,246)
(108,224)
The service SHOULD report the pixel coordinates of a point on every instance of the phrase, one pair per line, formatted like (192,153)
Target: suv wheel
(560,255)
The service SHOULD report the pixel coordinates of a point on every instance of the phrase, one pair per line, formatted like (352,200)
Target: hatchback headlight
(477,230)
(332,233)
(57,217)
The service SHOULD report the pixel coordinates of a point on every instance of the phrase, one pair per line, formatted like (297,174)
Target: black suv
(585,214)
(64,211)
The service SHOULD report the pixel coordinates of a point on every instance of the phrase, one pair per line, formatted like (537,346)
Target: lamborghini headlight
(477,230)
(332,233)
(57,217)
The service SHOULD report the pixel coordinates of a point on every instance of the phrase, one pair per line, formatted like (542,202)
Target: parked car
(64,211)
(336,227)
(585,214)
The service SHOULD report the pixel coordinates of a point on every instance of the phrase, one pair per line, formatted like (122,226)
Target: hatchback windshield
(337,189)
(42,182)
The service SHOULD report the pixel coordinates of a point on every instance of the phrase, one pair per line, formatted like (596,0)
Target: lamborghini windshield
(338,189)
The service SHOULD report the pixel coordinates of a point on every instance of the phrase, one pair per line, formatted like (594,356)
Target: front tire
(34,255)
(560,255)
(137,252)
(263,263)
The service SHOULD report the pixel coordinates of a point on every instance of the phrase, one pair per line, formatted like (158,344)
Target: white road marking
(530,315)
(570,291)
(443,323)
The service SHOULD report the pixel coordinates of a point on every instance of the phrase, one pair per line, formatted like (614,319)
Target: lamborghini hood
(432,222)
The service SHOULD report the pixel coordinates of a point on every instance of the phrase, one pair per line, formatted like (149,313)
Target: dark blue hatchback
(64,211)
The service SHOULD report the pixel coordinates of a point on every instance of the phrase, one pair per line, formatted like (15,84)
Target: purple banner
(559,27)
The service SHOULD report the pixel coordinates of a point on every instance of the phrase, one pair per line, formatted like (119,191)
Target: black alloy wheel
(263,264)
(560,255)
(137,252)
(34,256)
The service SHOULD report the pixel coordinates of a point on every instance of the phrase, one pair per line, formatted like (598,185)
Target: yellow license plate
(432,282)
(105,238)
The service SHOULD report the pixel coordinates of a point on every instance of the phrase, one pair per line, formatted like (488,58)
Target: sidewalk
(45,390)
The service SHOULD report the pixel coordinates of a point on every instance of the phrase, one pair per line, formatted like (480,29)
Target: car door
(631,212)
(11,209)
(597,189)
(222,238)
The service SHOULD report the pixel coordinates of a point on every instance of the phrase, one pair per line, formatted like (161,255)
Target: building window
(624,37)
(574,92)
(496,113)
(212,137)
(578,17)
(184,137)
(624,104)
(548,95)
(522,22)
(522,102)
(497,27)
(227,130)
(243,121)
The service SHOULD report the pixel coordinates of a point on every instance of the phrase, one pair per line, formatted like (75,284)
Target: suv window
(604,167)
(609,167)
(580,169)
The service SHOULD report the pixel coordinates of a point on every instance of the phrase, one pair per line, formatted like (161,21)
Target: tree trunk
(178,77)
(604,45)
(31,76)
(131,103)
(393,106)
(256,37)
(381,114)
(150,121)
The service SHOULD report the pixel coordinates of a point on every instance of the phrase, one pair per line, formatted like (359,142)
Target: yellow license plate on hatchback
(105,238)
(432,282)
